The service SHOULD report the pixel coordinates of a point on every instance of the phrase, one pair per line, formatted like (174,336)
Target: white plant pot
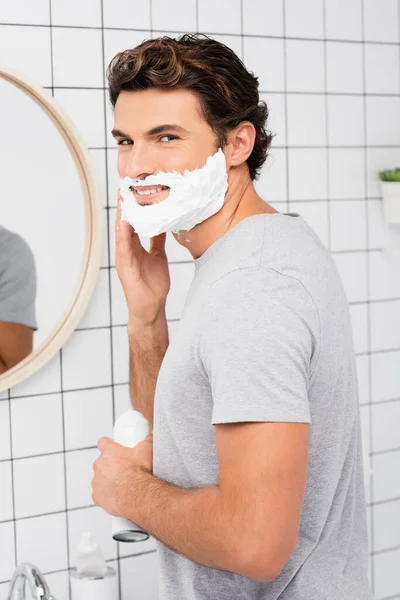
(391,201)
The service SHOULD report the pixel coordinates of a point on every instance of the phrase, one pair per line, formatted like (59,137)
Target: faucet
(37,584)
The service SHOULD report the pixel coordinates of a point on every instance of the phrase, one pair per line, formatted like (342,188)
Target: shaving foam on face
(193,197)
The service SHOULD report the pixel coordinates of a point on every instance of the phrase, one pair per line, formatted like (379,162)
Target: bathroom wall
(330,73)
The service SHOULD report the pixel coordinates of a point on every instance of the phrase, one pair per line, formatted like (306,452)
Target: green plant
(390,174)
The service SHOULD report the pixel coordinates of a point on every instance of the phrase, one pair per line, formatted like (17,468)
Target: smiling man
(252,480)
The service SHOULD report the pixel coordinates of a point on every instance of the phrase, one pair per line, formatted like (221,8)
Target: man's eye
(174,137)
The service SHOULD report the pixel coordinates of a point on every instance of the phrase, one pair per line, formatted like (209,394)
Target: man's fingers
(128,248)
(122,232)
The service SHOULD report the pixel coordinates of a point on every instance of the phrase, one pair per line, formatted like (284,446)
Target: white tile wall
(385,381)
(6,498)
(272,184)
(381,21)
(343,19)
(7,551)
(346,173)
(5,438)
(30,431)
(86,108)
(345,120)
(344,68)
(348,225)
(68,69)
(76,13)
(384,131)
(359,320)
(304,19)
(305,66)
(22,11)
(81,429)
(44,540)
(137,574)
(363,378)
(387,574)
(386,480)
(307,173)
(385,325)
(78,372)
(330,141)
(44,477)
(17,43)
(263,17)
(79,466)
(131,14)
(353,271)
(378,61)
(255,49)
(306,120)
(171,15)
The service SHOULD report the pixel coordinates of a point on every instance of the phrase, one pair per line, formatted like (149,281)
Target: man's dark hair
(227,91)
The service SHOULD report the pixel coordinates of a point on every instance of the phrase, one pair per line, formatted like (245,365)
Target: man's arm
(147,346)
(16,343)
(247,524)
(198,523)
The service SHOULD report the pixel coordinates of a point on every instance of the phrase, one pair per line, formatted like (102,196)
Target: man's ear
(241,143)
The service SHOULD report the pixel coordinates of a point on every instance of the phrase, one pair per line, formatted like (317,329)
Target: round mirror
(51,228)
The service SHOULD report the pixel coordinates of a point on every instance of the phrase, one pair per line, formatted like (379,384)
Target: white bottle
(90,560)
(129,429)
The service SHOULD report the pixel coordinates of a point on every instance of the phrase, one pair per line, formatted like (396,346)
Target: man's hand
(144,276)
(114,472)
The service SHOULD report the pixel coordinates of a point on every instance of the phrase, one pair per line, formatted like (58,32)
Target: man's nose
(139,165)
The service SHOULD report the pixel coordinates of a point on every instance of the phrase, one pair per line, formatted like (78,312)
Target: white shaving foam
(193,197)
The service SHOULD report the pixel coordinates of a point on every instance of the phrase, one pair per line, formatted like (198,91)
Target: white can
(129,429)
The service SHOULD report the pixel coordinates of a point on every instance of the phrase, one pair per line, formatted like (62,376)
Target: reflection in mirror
(42,226)
(17,299)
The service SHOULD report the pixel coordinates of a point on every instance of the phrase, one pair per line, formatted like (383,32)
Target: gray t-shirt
(17,280)
(265,335)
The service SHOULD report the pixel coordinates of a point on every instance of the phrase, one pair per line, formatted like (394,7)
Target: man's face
(143,152)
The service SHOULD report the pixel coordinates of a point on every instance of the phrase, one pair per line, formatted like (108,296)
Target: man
(17,299)
(256,490)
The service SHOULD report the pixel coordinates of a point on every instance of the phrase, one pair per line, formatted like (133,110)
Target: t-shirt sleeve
(17,282)
(256,348)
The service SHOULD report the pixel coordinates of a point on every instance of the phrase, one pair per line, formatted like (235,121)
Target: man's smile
(144,193)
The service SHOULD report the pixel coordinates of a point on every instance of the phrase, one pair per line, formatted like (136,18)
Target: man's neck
(241,201)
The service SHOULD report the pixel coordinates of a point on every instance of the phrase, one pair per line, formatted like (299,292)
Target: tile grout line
(327,155)
(285,107)
(370,475)
(60,354)
(110,303)
(241,29)
(12,480)
(211,33)
(261,91)
(64,453)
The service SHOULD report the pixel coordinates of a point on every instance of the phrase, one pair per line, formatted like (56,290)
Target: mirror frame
(94,239)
